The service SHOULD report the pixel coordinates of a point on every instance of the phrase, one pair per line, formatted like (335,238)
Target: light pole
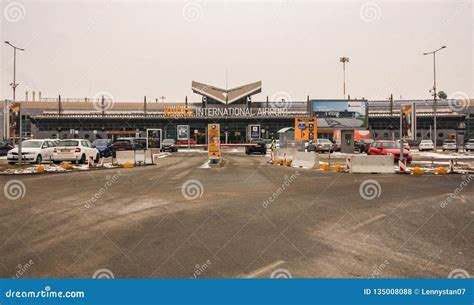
(344,60)
(435,94)
(14,85)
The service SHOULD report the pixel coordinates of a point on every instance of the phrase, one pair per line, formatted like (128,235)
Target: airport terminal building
(235,110)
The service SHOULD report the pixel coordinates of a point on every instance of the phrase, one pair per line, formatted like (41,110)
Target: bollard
(440,170)
(40,169)
(418,171)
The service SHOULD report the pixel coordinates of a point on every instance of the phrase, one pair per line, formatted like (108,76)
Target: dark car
(123,144)
(169,145)
(5,147)
(103,146)
(259,146)
(363,145)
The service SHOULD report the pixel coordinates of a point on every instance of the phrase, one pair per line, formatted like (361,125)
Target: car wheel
(39,159)
(11,163)
(83,159)
(97,158)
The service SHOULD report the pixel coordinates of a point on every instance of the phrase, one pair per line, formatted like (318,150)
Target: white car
(75,150)
(450,145)
(426,145)
(33,151)
(469,145)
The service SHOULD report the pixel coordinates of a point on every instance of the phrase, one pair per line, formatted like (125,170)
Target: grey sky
(155,48)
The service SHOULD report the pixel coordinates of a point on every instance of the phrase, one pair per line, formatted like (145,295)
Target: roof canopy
(227,96)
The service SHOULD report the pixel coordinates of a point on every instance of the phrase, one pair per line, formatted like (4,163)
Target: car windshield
(31,144)
(391,145)
(68,143)
(450,142)
(470,141)
(101,142)
(369,141)
(168,141)
(325,141)
(426,142)
(123,142)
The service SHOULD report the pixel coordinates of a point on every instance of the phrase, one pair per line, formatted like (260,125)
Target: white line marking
(368,221)
(265,269)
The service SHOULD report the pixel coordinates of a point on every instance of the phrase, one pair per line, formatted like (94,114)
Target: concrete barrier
(305,160)
(285,153)
(125,156)
(370,164)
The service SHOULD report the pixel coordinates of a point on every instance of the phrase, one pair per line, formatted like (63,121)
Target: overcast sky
(156,48)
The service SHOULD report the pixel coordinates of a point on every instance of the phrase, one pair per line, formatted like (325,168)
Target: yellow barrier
(288,162)
(66,165)
(418,171)
(40,169)
(338,168)
(128,165)
(440,170)
(324,167)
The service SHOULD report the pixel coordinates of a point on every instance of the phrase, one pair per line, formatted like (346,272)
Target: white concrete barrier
(125,156)
(285,153)
(370,164)
(305,160)
(140,157)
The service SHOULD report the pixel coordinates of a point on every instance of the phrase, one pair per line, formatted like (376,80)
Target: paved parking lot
(246,219)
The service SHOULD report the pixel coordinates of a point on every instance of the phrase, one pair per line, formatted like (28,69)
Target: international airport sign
(185,111)
(408,122)
(340,114)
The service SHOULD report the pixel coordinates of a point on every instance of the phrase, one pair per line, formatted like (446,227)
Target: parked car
(5,146)
(122,144)
(103,146)
(321,145)
(450,145)
(80,150)
(426,145)
(140,143)
(184,142)
(363,145)
(389,148)
(268,143)
(169,145)
(32,151)
(469,145)
(258,147)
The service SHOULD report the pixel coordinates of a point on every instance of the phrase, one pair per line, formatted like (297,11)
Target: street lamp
(344,60)
(14,85)
(435,95)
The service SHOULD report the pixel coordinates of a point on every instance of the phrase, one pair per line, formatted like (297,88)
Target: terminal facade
(234,110)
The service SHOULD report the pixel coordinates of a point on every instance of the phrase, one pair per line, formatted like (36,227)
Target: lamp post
(344,60)
(435,94)
(14,85)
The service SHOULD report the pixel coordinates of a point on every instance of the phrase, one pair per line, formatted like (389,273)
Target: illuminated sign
(306,129)
(213,141)
(183,132)
(178,111)
(340,114)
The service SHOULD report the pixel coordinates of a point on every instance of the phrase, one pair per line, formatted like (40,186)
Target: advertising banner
(340,114)
(408,122)
(183,132)
(214,141)
(306,129)
(153,138)
(254,132)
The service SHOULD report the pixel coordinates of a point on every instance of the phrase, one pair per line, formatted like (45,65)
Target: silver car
(450,145)
(469,145)
(321,145)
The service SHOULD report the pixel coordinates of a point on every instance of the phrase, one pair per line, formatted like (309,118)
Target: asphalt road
(142,222)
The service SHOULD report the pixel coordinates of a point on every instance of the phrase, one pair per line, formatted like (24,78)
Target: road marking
(265,269)
(368,221)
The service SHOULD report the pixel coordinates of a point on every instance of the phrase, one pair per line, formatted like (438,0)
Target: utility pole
(14,85)
(435,95)
(344,60)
